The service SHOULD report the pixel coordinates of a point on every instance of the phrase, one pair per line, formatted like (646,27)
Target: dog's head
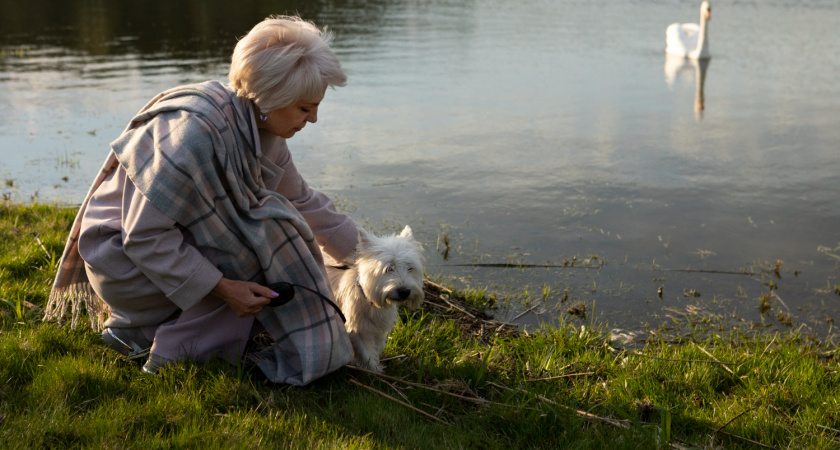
(391,268)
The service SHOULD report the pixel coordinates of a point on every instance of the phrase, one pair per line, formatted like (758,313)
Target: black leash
(286,293)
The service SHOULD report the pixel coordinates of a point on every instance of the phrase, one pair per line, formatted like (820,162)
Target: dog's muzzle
(399,294)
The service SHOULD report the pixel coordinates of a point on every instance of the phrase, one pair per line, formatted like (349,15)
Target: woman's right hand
(245,298)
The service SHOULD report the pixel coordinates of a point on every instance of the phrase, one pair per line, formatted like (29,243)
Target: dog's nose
(403,293)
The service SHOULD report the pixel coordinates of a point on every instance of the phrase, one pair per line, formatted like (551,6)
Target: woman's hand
(244,297)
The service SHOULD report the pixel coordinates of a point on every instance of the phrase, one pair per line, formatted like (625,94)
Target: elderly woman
(199,206)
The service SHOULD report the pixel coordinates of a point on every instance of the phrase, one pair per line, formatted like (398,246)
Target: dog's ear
(406,233)
(364,237)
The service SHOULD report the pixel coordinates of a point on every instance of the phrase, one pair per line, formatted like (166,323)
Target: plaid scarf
(191,152)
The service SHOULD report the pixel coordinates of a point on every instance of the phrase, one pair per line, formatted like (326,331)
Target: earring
(263,117)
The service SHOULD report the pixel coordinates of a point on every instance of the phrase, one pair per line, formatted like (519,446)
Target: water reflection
(509,126)
(689,69)
(202,31)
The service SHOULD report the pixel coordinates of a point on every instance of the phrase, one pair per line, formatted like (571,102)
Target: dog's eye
(390,269)
(411,269)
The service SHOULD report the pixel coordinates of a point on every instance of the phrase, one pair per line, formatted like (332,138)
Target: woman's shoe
(129,342)
(155,363)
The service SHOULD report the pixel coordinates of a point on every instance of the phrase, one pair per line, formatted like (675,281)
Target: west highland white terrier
(388,272)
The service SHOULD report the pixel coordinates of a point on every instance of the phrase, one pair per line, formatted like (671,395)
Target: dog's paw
(371,364)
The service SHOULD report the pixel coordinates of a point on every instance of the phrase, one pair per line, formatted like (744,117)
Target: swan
(690,40)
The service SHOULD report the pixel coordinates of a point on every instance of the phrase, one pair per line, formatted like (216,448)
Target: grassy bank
(454,379)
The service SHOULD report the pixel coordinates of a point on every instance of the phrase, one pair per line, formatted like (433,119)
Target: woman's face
(287,121)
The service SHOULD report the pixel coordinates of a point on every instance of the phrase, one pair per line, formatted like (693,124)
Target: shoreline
(454,377)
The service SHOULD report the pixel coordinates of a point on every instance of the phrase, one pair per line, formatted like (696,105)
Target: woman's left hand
(245,298)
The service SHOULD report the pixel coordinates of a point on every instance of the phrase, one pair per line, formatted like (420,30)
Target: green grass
(563,386)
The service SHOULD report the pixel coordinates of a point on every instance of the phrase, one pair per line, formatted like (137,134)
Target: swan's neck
(702,50)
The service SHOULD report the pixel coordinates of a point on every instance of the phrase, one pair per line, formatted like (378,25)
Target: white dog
(388,271)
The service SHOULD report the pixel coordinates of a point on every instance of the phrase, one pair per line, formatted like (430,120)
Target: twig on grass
(811,352)
(454,305)
(524,266)
(569,365)
(568,375)
(749,440)
(396,390)
(87,401)
(43,247)
(419,411)
(774,294)
(823,437)
(423,386)
(829,429)
(501,324)
(677,360)
(768,346)
(713,357)
(718,429)
(723,272)
(469,320)
(583,414)
(440,410)
(689,443)
(435,305)
(531,309)
(439,287)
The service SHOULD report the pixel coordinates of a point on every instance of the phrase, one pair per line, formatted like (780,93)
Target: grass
(452,381)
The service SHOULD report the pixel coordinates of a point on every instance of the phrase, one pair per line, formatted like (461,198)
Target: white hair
(282,60)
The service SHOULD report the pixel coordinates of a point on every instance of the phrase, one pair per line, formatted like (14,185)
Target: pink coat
(147,268)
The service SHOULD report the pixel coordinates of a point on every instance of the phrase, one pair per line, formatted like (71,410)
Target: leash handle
(286,293)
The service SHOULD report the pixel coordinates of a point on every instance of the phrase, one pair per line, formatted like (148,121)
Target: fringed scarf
(191,152)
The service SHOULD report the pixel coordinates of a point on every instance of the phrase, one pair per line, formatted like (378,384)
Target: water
(527,132)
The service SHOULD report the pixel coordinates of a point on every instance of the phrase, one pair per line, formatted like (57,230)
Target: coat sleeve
(335,232)
(157,247)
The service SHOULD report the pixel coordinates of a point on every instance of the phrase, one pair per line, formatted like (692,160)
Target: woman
(199,206)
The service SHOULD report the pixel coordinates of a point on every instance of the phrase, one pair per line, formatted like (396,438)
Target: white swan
(689,39)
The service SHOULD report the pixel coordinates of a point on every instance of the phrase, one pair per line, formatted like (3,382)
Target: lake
(553,136)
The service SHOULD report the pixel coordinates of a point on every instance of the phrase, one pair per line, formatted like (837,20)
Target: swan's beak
(708,14)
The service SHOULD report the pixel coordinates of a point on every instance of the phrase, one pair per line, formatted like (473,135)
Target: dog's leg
(364,357)
(379,343)
(375,352)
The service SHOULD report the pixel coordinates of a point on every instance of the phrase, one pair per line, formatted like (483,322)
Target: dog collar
(359,284)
